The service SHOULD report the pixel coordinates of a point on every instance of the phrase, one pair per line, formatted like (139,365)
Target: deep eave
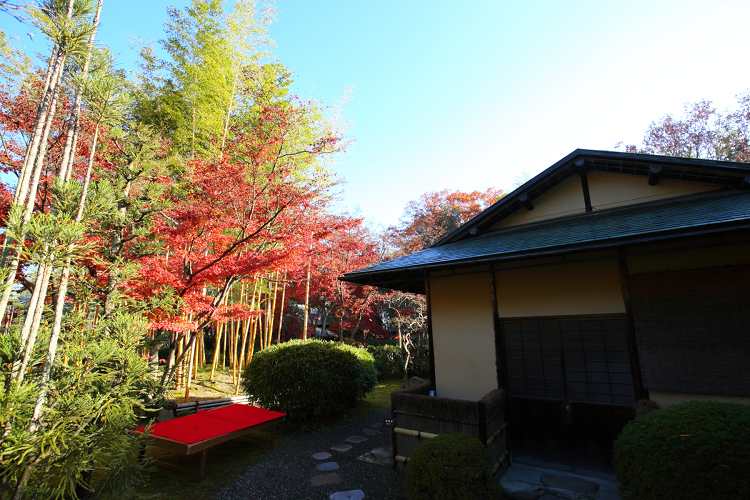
(697,215)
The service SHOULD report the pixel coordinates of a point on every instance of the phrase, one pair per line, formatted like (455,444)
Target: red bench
(202,430)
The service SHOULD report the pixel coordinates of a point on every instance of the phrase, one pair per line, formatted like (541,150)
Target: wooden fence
(418,416)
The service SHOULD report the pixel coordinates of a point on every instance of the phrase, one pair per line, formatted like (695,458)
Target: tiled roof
(650,221)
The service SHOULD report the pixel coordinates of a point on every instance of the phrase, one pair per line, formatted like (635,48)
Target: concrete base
(524,482)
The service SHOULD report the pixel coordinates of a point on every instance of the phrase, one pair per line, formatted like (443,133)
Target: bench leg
(204,454)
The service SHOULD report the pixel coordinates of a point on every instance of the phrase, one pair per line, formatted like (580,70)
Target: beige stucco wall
(562,289)
(609,190)
(606,190)
(463,336)
(564,199)
(671,398)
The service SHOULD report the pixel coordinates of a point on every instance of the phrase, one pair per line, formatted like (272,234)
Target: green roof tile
(686,215)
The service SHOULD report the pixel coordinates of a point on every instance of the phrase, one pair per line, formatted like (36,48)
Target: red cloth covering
(208,424)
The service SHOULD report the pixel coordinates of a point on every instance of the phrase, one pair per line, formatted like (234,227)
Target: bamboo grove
(165,226)
(153,225)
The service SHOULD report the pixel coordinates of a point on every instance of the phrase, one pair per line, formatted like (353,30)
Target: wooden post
(429,330)
(500,368)
(635,366)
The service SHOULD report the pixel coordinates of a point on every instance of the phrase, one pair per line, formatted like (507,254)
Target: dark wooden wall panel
(693,330)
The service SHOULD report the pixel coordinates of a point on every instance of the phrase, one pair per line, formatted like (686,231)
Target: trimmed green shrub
(420,365)
(699,449)
(451,467)
(309,379)
(389,360)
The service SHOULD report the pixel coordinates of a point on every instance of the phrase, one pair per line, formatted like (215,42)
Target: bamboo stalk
(281,311)
(217,338)
(196,352)
(235,338)
(223,348)
(253,334)
(273,310)
(246,349)
(190,360)
(179,370)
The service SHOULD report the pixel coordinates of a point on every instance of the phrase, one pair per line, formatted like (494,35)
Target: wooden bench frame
(202,446)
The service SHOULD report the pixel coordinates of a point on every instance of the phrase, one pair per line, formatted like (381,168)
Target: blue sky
(468,95)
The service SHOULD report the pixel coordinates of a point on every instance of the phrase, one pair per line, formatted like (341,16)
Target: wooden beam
(745,184)
(526,202)
(583,174)
(655,174)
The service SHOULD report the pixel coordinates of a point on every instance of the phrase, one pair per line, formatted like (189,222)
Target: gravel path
(291,472)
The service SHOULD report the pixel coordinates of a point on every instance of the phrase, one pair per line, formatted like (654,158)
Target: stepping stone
(328,466)
(569,483)
(323,479)
(322,455)
(355,439)
(348,495)
(371,432)
(379,456)
(342,448)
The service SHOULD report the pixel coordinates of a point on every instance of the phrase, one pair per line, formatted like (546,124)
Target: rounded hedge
(389,360)
(451,467)
(309,379)
(699,449)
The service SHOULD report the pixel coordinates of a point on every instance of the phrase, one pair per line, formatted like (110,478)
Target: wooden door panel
(570,391)
(539,433)
(593,431)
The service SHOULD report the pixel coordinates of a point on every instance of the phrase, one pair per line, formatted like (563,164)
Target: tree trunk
(38,162)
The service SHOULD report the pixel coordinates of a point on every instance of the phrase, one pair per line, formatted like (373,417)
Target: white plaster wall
(562,289)
(463,336)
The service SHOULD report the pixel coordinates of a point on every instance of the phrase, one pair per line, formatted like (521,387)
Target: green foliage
(15,66)
(451,467)
(97,389)
(389,360)
(699,449)
(309,379)
(420,363)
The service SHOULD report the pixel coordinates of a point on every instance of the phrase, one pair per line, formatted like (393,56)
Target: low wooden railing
(416,417)
(183,409)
